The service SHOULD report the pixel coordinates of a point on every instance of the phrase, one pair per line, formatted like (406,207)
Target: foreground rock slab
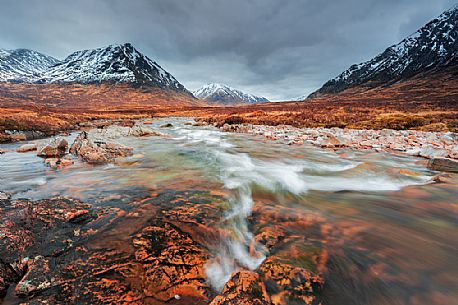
(152,251)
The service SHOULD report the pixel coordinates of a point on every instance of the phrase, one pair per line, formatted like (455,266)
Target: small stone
(52,162)
(4,196)
(27,147)
(141,131)
(64,162)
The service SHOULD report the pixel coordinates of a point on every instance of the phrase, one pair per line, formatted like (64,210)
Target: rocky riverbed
(60,250)
(430,145)
(164,212)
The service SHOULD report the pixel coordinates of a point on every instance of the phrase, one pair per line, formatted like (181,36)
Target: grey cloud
(278,49)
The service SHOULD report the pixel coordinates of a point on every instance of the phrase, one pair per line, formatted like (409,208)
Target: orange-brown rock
(244,288)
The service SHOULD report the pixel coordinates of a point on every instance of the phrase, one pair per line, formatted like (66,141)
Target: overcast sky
(273,48)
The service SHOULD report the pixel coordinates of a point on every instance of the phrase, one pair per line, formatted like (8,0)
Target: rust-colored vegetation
(423,103)
(428,103)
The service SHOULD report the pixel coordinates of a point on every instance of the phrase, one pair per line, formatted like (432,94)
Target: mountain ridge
(117,63)
(23,65)
(431,47)
(222,94)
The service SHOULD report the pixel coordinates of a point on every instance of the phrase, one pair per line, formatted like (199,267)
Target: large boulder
(443,164)
(55,148)
(98,151)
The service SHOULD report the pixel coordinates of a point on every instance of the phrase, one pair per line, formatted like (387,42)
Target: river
(393,234)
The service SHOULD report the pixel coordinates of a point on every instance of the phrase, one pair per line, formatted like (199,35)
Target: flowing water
(395,232)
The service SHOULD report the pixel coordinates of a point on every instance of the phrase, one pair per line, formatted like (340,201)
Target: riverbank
(428,145)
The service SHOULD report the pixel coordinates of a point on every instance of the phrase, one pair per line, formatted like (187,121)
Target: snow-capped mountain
(23,65)
(433,46)
(298,98)
(225,95)
(112,64)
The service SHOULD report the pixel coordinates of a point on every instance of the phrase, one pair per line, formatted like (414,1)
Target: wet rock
(55,148)
(174,263)
(453,153)
(117,131)
(230,128)
(166,125)
(36,279)
(18,137)
(443,164)
(200,123)
(425,144)
(447,138)
(413,151)
(442,178)
(108,132)
(142,131)
(51,162)
(98,151)
(27,147)
(244,287)
(289,284)
(432,152)
(58,162)
(7,276)
(4,196)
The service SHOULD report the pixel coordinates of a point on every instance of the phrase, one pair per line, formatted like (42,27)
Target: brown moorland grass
(427,103)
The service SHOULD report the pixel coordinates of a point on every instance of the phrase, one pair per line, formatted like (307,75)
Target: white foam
(239,173)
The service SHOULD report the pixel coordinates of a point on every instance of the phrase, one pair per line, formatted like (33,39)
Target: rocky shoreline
(440,147)
(153,251)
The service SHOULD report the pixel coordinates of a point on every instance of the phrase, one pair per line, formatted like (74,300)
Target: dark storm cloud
(278,49)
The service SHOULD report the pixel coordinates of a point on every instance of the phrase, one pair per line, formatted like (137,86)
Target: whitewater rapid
(240,173)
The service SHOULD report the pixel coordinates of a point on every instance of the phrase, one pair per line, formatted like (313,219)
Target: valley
(120,184)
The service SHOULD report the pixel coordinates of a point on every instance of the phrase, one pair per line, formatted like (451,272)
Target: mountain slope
(225,95)
(112,64)
(431,48)
(23,65)
(115,63)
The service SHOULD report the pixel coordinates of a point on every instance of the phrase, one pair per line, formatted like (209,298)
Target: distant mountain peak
(433,46)
(226,95)
(117,63)
(23,65)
